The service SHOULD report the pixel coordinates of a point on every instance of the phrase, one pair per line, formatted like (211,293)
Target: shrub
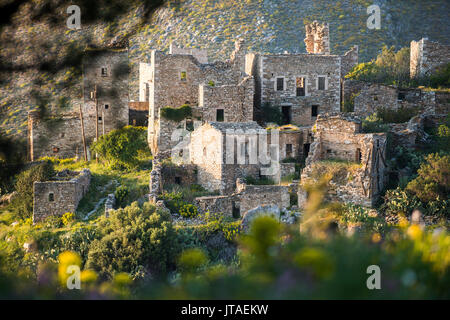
(173,200)
(441,77)
(398,201)
(176,114)
(433,181)
(400,115)
(121,147)
(374,124)
(131,237)
(22,205)
(68,218)
(192,259)
(389,67)
(231,230)
(188,211)
(121,195)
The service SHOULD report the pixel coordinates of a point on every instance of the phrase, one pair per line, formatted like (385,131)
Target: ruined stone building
(356,161)
(60,195)
(59,134)
(220,165)
(219,91)
(367,98)
(427,56)
(302,85)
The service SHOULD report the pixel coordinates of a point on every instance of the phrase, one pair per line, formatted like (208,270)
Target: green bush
(121,194)
(121,147)
(22,205)
(433,180)
(400,115)
(131,237)
(173,200)
(389,67)
(176,114)
(398,201)
(441,77)
(374,124)
(188,211)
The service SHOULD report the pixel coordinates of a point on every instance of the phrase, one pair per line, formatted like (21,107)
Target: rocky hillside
(266,25)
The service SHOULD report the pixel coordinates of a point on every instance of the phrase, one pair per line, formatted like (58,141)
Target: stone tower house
(317,38)
(108,70)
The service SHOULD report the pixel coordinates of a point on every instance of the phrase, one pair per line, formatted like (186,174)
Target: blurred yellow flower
(88,276)
(68,258)
(122,279)
(376,237)
(414,232)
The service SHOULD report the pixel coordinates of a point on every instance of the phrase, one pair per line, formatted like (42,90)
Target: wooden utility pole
(96,113)
(94,97)
(103,120)
(82,134)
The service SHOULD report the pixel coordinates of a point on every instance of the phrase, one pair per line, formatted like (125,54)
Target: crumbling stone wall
(245,197)
(427,56)
(58,197)
(291,67)
(317,39)
(442,103)
(215,204)
(339,137)
(200,54)
(369,97)
(184,175)
(349,60)
(59,137)
(253,196)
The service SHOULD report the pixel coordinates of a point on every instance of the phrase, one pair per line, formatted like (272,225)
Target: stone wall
(215,204)
(58,197)
(145,77)
(339,137)
(373,96)
(369,97)
(252,196)
(184,175)
(200,54)
(208,151)
(58,137)
(427,56)
(292,67)
(442,103)
(236,101)
(349,60)
(245,198)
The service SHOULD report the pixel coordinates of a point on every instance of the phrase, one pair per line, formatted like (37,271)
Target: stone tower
(317,38)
